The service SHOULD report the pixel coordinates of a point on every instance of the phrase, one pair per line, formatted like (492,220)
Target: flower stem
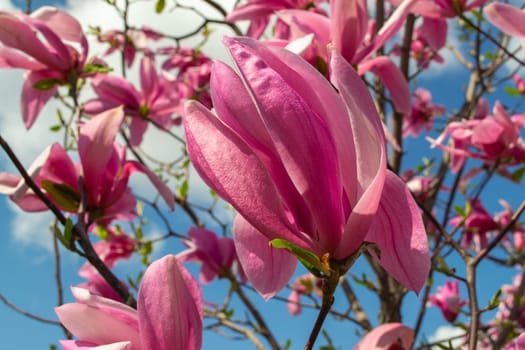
(329,287)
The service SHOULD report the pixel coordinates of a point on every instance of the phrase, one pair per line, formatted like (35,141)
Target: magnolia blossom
(98,186)
(448,300)
(477,225)
(490,138)
(217,255)
(517,230)
(168,315)
(422,114)
(303,285)
(44,45)
(151,104)
(130,43)
(189,76)
(348,30)
(388,336)
(258,12)
(310,166)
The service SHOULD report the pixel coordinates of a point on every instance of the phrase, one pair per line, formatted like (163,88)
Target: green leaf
(91,68)
(160,5)
(68,231)
(512,91)
(494,301)
(459,210)
(310,260)
(46,84)
(65,196)
(55,128)
(518,175)
(183,189)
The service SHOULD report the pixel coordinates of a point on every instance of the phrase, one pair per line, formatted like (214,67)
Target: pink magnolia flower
(422,114)
(348,31)
(117,245)
(133,41)
(168,315)
(491,138)
(42,44)
(258,12)
(448,300)
(151,104)
(517,343)
(520,83)
(303,285)
(507,18)
(191,74)
(388,336)
(297,147)
(517,230)
(217,255)
(103,169)
(477,225)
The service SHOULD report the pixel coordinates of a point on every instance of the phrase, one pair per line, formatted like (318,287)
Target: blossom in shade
(422,113)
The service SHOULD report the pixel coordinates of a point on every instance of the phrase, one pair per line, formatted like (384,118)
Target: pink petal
(249,190)
(399,232)
(300,135)
(369,145)
(164,190)
(382,337)
(392,78)
(170,307)
(507,18)
(95,147)
(34,100)
(82,345)
(435,32)
(349,24)
(268,269)
(100,321)
(10,58)
(117,89)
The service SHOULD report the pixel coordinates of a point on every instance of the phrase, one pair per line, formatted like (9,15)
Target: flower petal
(268,269)
(170,307)
(399,232)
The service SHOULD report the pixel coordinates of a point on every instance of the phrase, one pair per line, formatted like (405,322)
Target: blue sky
(27,268)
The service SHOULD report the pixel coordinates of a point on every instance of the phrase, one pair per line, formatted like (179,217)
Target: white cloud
(444,333)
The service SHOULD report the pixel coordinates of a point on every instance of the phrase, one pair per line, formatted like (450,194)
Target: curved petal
(83,345)
(164,190)
(399,233)
(268,269)
(349,25)
(95,147)
(392,78)
(301,136)
(170,307)
(507,18)
(214,150)
(33,100)
(369,146)
(382,337)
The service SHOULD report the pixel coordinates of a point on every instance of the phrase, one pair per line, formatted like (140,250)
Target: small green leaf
(160,5)
(512,91)
(518,175)
(65,196)
(91,68)
(68,231)
(459,210)
(55,128)
(183,189)
(494,301)
(46,84)
(310,260)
